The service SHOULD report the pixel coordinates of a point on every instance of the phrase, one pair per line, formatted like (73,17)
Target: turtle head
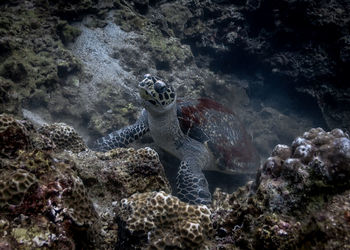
(157,96)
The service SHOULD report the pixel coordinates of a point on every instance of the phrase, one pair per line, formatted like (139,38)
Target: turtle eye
(160,87)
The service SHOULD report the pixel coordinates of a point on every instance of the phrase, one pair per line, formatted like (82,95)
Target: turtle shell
(221,130)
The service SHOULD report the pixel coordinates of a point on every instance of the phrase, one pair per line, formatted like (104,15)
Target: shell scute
(209,122)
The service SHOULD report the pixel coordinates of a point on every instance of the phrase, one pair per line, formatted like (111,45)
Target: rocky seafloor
(55,193)
(282,66)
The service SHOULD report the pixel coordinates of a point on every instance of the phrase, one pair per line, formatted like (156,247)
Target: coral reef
(117,174)
(161,220)
(64,137)
(14,185)
(21,135)
(138,164)
(33,58)
(317,160)
(43,202)
(297,192)
(61,197)
(38,187)
(13,136)
(121,172)
(52,198)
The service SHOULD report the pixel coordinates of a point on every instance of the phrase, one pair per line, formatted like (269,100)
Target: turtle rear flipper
(123,136)
(192,186)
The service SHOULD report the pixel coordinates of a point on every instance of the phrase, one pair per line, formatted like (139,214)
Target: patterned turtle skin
(202,133)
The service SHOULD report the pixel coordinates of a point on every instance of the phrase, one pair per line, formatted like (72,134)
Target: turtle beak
(142,90)
(143,93)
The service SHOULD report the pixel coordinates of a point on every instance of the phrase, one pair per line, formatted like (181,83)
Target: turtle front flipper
(124,136)
(192,186)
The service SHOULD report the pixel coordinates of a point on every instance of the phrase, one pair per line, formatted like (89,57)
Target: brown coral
(13,136)
(38,185)
(140,171)
(300,198)
(64,136)
(45,193)
(121,172)
(117,174)
(165,220)
(58,185)
(315,155)
(14,185)
(77,202)
(315,160)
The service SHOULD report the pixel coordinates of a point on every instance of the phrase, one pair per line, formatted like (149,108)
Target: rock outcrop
(60,196)
(160,220)
(299,190)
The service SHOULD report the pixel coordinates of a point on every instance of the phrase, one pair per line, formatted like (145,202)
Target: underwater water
(277,73)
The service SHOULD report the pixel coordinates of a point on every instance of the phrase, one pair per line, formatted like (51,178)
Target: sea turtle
(203,134)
